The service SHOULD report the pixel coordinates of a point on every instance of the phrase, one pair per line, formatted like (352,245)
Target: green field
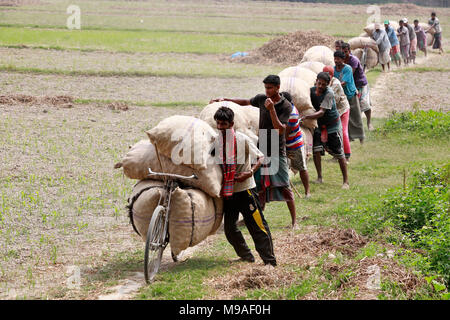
(62,204)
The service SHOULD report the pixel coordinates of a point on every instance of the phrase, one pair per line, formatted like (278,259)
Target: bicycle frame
(166,197)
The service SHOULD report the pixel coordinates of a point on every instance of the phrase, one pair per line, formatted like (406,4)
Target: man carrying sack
(272,179)
(235,152)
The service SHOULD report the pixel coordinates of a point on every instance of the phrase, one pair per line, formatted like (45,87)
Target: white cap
(405,20)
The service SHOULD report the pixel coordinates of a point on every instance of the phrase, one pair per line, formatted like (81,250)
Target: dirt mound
(66,101)
(118,106)
(288,49)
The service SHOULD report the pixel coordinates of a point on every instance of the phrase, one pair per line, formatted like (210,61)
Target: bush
(422,123)
(419,212)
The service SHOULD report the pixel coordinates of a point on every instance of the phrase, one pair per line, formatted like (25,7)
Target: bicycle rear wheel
(155,243)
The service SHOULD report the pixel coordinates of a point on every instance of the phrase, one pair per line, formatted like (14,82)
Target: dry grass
(321,252)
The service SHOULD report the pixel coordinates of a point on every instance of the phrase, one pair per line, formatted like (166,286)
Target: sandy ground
(136,89)
(404,91)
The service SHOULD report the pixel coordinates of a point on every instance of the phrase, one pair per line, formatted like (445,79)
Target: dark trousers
(247,203)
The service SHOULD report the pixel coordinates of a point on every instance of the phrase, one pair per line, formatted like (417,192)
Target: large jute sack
(362,42)
(308,140)
(364,35)
(430,38)
(142,202)
(184,139)
(371,58)
(246,118)
(191,220)
(320,54)
(143,155)
(299,72)
(314,66)
(370,28)
(299,91)
(426,27)
(193,214)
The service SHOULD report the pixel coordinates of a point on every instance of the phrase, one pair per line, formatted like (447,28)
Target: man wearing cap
(412,41)
(384,46)
(395,44)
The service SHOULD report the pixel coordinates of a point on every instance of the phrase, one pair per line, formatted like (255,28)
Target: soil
(288,49)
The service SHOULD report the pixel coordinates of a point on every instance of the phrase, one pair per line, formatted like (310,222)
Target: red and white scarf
(227,156)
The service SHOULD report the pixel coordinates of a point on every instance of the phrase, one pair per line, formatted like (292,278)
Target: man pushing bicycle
(235,151)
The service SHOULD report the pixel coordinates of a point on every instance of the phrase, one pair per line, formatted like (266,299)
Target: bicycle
(157,234)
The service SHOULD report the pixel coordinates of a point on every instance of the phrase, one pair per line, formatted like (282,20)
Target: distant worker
(338,45)
(421,37)
(384,46)
(403,34)
(412,41)
(437,38)
(395,44)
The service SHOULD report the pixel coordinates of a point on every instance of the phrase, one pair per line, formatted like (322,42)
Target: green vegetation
(130,41)
(422,123)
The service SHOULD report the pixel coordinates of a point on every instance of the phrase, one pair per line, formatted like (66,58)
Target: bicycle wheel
(155,243)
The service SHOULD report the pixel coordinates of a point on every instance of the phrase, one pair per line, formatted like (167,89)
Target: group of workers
(403,43)
(340,96)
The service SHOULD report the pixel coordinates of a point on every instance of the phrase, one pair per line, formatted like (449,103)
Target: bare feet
(308,195)
(318,180)
(346,186)
(371,128)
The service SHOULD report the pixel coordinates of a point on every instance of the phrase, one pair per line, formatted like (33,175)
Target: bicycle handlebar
(171,175)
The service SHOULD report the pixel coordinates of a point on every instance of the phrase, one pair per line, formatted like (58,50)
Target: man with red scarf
(235,152)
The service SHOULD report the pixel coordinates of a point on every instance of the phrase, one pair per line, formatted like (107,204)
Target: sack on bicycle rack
(194,215)
(142,156)
(184,139)
(191,218)
(142,203)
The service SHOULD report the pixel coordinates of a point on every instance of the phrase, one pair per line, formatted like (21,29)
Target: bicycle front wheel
(155,243)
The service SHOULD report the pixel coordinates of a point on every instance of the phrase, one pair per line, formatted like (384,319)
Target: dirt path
(421,88)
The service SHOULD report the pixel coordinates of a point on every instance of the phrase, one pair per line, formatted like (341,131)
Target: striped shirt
(294,139)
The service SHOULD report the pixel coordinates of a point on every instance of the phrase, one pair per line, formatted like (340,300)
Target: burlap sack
(142,156)
(191,218)
(308,140)
(314,66)
(371,58)
(184,139)
(320,54)
(246,118)
(299,72)
(362,42)
(193,214)
(426,26)
(371,27)
(299,91)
